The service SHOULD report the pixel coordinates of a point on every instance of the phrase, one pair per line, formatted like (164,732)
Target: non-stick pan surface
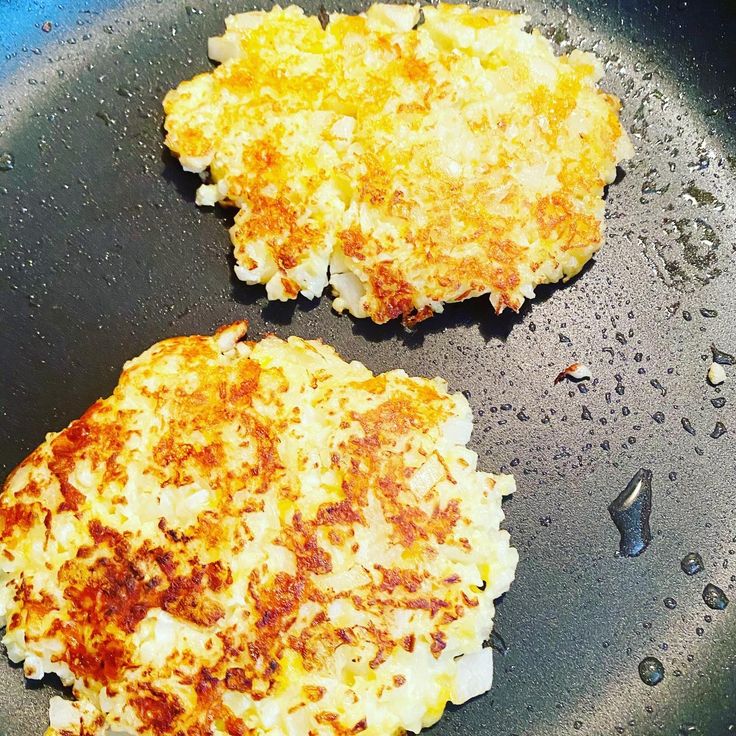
(104,253)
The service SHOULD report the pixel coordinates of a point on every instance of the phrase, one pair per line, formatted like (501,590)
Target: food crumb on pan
(576,372)
(716,374)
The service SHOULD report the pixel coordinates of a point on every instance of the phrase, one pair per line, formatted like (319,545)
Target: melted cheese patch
(255,539)
(406,167)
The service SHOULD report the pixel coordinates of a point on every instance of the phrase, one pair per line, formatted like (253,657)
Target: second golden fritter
(404,166)
(255,539)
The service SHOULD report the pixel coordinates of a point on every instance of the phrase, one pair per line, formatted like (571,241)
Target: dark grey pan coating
(104,253)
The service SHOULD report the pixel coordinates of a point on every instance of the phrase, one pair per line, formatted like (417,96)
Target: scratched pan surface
(104,252)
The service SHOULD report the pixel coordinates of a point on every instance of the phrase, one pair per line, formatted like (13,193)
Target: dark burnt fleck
(719,402)
(708,313)
(323,17)
(498,643)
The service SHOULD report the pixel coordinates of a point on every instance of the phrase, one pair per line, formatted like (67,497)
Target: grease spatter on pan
(630,512)
(7,161)
(651,671)
(692,564)
(714,597)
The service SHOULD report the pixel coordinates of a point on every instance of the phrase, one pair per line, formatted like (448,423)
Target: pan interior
(104,253)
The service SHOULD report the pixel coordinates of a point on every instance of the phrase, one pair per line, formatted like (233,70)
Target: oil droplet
(719,356)
(7,161)
(708,313)
(718,431)
(630,513)
(670,603)
(719,402)
(102,115)
(651,671)
(656,384)
(692,564)
(687,426)
(714,597)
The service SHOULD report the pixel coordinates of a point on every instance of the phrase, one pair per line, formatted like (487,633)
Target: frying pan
(104,253)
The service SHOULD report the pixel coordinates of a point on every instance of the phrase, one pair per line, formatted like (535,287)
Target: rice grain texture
(255,539)
(404,166)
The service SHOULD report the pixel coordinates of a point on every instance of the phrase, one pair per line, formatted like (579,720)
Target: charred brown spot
(236,679)
(157,709)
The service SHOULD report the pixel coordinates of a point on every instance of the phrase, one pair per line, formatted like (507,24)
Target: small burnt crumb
(497,643)
(545,520)
(323,17)
(564,339)
(47,26)
(718,431)
(687,426)
(721,357)
(708,313)
(575,372)
(586,414)
(719,402)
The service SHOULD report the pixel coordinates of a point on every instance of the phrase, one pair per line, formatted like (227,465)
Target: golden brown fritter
(406,167)
(255,539)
